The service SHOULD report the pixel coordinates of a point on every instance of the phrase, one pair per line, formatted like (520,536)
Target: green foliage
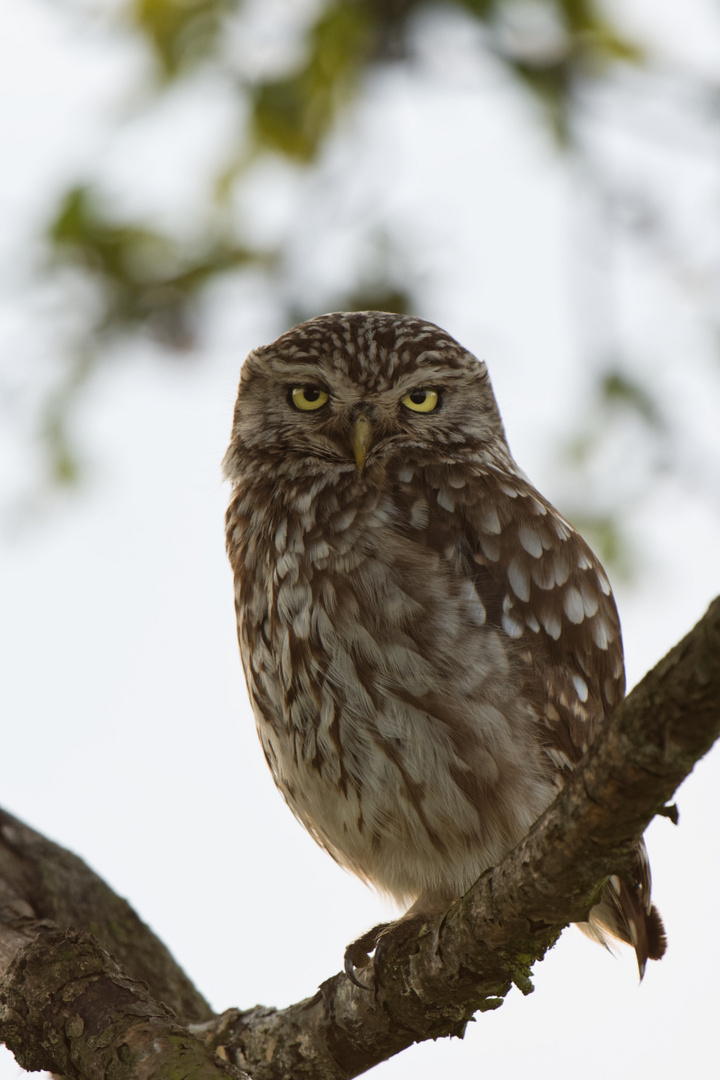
(585,43)
(377,298)
(65,469)
(619,390)
(151,280)
(617,396)
(148,280)
(180,32)
(293,115)
(481,9)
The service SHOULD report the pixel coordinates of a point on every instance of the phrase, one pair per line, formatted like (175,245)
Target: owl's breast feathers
(441,647)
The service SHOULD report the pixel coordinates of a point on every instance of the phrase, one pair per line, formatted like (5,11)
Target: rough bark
(41,880)
(426,979)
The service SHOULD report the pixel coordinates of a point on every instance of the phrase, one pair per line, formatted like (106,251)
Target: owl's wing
(545,589)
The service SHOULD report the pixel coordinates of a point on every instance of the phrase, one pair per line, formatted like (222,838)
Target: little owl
(429,647)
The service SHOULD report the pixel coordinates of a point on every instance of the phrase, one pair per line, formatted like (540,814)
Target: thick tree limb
(70,1007)
(41,880)
(66,1005)
(427,980)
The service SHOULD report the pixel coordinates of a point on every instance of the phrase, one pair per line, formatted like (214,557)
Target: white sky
(126,732)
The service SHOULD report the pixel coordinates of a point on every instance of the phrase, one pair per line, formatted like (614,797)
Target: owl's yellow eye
(308,398)
(421,400)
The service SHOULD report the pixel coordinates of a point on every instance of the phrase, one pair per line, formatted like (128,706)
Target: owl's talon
(357,954)
(350,972)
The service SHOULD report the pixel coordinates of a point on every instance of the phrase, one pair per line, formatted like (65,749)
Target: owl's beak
(362,438)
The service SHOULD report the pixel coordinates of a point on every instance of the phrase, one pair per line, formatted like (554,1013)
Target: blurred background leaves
(290,94)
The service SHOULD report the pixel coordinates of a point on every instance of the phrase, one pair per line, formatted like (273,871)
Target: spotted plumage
(429,646)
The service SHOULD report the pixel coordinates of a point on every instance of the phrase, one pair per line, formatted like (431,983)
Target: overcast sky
(126,733)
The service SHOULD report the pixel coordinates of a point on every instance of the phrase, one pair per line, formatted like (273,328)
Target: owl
(429,646)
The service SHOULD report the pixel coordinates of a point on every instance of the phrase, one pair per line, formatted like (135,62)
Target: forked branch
(66,1006)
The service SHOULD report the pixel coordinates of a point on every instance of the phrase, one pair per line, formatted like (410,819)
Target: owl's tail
(626,912)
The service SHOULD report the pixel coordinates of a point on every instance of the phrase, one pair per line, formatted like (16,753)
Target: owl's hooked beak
(361,440)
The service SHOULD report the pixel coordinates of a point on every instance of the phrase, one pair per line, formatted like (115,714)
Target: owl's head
(349,390)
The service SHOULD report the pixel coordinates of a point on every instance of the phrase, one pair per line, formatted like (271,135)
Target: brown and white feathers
(429,646)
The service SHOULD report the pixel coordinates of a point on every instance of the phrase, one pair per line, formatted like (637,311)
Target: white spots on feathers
(604,583)
(559,758)
(445,500)
(513,624)
(551,621)
(543,574)
(581,687)
(584,561)
(602,633)
(318,551)
(406,474)
(301,624)
(303,502)
(490,547)
(530,540)
(286,566)
(293,600)
(490,520)
(519,579)
(573,605)
(476,608)
(559,585)
(342,520)
(281,536)
(589,599)
(286,667)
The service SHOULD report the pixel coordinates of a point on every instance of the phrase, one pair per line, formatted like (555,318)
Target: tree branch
(426,982)
(41,880)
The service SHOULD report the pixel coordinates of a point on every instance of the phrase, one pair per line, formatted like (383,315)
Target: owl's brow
(432,376)
(299,373)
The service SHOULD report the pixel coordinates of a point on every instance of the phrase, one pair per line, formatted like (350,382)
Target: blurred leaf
(597,35)
(80,230)
(377,299)
(550,85)
(181,32)
(482,9)
(147,278)
(294,114)
(550,45)
(62,457)
(617,388)
(374,299)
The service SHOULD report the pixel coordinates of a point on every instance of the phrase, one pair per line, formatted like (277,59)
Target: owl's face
(348,391)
